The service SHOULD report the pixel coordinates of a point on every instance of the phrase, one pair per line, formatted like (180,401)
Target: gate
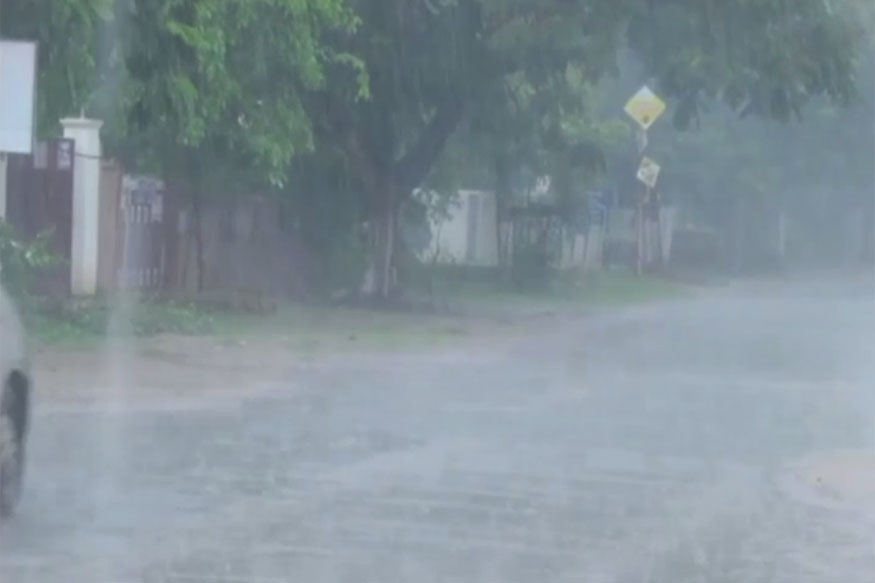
(141,215)
(39,197)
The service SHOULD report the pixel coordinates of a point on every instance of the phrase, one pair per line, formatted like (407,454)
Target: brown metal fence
(39,197)
(147,236)
(141,215)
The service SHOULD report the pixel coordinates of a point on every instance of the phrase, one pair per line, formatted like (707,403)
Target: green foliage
(323,212)
(422,217)
(766,58)
(225,96)
(222,81)
(537,111)
(546,129)
(818,168)
(66,32)
(82,321)
(531,267)
(343,262)
(22,261)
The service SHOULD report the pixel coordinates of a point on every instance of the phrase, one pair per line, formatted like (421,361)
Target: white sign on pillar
(17,95)
(86,203)
(17,99)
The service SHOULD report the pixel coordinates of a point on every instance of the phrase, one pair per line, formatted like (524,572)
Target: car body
(14,403)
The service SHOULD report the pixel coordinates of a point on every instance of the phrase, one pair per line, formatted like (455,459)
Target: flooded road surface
(645,445)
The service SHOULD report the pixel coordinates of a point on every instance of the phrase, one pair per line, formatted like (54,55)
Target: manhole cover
(838,480)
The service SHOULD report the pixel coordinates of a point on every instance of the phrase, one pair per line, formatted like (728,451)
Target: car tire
(11,466)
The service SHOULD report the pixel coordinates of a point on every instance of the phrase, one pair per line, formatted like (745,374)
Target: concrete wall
(583,251)
(468,237)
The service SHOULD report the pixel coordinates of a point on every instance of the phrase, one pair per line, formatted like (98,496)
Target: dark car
(14,404)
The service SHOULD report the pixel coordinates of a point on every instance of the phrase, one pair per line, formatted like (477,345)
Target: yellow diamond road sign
(645,107)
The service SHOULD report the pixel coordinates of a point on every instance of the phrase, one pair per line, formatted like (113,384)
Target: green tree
(66,32)
(224,78)
(433,62)
(526,131)
(225,94)
(816,170)
(209,92)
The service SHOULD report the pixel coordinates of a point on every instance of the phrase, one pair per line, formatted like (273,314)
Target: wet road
(646,445)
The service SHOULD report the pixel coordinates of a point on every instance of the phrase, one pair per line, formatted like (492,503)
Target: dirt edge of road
(171,365)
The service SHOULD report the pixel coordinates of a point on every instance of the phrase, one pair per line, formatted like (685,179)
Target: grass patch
(309,328)
(306,328)
(603,289)
(91,321)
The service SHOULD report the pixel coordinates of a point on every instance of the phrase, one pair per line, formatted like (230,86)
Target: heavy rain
(437,290)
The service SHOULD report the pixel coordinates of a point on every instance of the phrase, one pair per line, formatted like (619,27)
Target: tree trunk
(379,278)
(502,194)
(385,253)
(198,231)
(388,182)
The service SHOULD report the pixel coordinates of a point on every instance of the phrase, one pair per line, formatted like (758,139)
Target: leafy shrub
(54,320)
(531,267)
(21,261)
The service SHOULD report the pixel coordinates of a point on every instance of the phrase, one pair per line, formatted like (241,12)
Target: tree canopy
(66,33)
(371,92)
(224,79)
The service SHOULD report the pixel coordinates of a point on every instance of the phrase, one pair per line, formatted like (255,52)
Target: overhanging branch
(537,13)
(412,169)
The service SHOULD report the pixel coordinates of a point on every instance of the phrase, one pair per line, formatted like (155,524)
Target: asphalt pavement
(640,445)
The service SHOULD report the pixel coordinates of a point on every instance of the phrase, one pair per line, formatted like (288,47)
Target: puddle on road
(841,480)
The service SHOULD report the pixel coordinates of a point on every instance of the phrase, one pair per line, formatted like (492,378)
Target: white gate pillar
(86,203)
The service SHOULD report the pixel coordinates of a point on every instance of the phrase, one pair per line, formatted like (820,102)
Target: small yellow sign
(645,107)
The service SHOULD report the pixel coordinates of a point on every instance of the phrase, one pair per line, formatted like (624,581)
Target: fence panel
(142,222)
(39,197)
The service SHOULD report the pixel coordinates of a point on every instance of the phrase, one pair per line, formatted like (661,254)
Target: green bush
(531,267)
(21,261)
(63,320)
(342,264)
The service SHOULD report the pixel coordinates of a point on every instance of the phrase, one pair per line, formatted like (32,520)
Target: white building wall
(468,236)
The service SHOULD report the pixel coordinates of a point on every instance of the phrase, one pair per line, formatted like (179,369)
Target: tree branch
(344,136)
(362,163)
(412,169)
(538,13)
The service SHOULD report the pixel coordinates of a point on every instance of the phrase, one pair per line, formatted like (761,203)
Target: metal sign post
(648,174)
(645,107)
